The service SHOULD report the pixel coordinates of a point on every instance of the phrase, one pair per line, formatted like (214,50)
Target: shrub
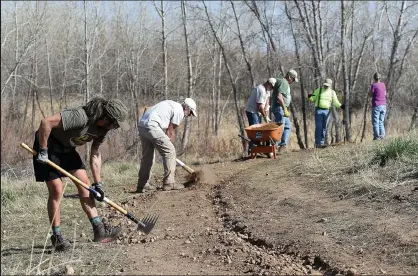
(397,148)
(7,196)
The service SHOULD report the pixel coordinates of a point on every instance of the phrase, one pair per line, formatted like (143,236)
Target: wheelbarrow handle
(244,138)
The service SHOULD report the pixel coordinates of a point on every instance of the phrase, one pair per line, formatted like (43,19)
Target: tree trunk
(347,123)
(86,73)
(302,90)
(244,53)
(234,88)
(218,95)
(297,127)
(50,78)
(187,125)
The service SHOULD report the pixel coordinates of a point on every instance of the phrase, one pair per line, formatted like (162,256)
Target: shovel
(194,177)
(145,225)
(184,166)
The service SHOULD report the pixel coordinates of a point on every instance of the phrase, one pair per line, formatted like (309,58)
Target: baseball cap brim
(327,84)
(123,125)
(194,113)
(296,79)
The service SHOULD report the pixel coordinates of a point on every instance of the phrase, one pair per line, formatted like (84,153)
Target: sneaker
(104,233)
(172,186)
(60,243)
(146,188)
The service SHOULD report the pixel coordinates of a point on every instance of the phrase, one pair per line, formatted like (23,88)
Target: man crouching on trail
(56,140)
(156,130)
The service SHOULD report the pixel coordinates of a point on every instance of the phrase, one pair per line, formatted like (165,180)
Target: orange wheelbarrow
(262,138)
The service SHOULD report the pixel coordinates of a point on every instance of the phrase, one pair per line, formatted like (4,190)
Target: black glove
(42,156)
(342,106)
(98,188)
(310,95)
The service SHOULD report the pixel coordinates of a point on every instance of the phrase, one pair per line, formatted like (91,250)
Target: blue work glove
(42,156)
(98,188)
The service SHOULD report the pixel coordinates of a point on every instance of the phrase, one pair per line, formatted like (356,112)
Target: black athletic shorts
(68,159)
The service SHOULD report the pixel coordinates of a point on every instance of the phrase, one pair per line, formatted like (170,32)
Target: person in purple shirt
(378,94)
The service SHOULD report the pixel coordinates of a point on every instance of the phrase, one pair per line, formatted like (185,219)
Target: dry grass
(357,167)
(25,228)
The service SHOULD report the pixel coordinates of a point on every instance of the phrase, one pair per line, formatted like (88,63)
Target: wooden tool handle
(184,166)
(75,179)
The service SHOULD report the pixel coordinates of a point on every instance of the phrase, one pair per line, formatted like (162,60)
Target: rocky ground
(258,217)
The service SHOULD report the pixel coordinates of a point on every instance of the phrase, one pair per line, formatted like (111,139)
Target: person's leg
(375,122)
(286,132)
(258,116)
(88,204)
(55,190)
(167,151)
(147,160)
(324,123)
(318,128)
(250,118)
(279,118)
(102,232)
(382,114)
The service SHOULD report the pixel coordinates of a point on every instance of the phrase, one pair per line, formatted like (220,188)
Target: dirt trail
(192,236)
(262,218)
(294,214)
(259,217)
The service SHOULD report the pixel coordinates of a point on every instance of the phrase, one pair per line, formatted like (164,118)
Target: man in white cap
(280,101)
(323,98)
(156,130)
(258,101)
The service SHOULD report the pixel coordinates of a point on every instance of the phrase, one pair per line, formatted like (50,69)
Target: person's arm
(335,100)
(267,105)
(170,131)
(312,97)
(261,109)
(47,124)
(96,162)
(371,91)
(280,99)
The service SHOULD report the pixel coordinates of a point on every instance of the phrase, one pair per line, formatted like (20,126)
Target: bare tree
(234,88)
(186,131)
(244,53)
(161,12)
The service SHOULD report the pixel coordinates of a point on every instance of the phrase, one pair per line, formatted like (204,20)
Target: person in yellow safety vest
(323,97)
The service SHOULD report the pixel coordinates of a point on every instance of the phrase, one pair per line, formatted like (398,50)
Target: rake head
(147,223)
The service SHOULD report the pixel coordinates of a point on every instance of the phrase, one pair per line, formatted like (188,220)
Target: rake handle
(85,186)
(184,166)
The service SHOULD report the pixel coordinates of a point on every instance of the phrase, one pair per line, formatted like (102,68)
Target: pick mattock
(194,176)
(145,225)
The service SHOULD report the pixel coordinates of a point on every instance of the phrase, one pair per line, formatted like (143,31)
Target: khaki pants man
(152,139)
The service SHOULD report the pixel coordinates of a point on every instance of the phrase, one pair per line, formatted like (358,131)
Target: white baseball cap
(272,81)
(292,73)
(328,82)
(191,104)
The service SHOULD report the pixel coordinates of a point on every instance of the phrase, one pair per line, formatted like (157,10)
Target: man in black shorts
(56,140)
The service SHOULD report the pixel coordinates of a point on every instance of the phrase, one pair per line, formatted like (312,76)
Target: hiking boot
(146,188)
(60,243)
(104,233)
(172,186)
